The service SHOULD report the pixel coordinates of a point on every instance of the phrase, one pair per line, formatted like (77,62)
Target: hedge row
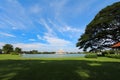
(91,55)
(113,56)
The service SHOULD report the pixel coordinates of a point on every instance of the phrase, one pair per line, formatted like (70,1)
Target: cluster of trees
(8,49)
(103,30)
(36,52)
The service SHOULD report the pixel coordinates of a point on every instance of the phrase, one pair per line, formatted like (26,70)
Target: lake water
(51,55)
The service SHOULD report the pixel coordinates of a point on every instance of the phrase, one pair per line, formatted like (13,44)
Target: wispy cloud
(1,44)
(44,47)
(62,9)
(14,28)
(58,6)
(67,28)
(29,46)
(7,35)
(36,9)
(39,37)
(49,29)
(45,24)
(20,20)
(63,28)
(32,40)
(54,41)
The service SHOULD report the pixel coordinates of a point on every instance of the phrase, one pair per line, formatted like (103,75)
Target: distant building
(60,52)
(116,46)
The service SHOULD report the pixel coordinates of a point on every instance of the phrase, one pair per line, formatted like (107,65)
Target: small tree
(7,48)
(18,50)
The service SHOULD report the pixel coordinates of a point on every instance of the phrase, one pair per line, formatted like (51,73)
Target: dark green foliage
(48,52)
(7,48)
(104,53)
(18,50)
(0,51)
(91,55)
(113,56)
(34,52)
(111,52)
(103,30)
(14,53)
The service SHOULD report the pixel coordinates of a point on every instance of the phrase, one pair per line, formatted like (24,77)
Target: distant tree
(103,30)
(0,51)
(18,50)
(26,52)
(34,52)
(7,48)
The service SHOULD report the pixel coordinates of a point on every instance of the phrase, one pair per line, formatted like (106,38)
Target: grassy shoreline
(14,67)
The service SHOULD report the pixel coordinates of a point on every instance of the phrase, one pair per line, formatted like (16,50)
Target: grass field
(14,67)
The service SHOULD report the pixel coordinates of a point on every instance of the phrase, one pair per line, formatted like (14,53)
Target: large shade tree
(103,30)
(7,48)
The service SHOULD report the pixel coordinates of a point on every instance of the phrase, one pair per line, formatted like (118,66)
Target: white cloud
(54,41)
(7,35)
(1,45)
(20,20)
(43,47)
(14,28)
(50,32)
(32,40)
(58,6)
(35,9)
(39,37)
(63,27)
(67,28)
(29,46)
(23,34)
(45,24)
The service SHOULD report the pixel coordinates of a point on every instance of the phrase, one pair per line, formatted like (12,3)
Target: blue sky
(46,25)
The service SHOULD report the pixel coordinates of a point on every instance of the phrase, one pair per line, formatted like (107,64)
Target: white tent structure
(60,52)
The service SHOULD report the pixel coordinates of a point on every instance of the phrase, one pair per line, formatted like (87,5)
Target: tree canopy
(18,50)
(103,30)
(7,48)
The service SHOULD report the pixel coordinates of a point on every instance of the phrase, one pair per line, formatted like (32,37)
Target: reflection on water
(52,55)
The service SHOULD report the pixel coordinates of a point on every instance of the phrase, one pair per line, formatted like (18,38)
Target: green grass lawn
(14,67)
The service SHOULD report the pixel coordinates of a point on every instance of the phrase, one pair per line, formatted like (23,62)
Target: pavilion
(116,46)
(60,52)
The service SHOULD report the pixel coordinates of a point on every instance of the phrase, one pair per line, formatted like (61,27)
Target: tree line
(9,49)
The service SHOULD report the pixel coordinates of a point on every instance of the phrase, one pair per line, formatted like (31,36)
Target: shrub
(113,56)
(14,53)
(91,55)
(111,52)
(104,53)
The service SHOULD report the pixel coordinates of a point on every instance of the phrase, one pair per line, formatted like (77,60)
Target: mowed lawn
(14,67)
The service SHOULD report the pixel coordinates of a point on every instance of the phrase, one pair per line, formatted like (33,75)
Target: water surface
(51,55)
